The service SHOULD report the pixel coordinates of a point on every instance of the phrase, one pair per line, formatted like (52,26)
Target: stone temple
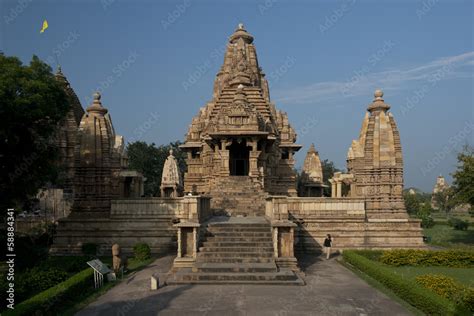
(240,147)
(237,216)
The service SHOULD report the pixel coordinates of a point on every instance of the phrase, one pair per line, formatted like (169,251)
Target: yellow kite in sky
(45,26)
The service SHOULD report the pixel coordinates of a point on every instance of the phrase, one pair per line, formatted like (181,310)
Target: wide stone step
(243,234)
(234,259)
(232,229)
(237,239)
(198,277)
(235,267)
(238,244)
(253,254)
(238,225)
(237,249)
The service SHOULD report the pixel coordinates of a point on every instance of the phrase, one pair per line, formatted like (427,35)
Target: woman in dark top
(328,245)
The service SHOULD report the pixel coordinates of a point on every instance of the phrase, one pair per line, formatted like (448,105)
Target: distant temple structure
(440,186)
(171,183)
(240,219)
(312,174)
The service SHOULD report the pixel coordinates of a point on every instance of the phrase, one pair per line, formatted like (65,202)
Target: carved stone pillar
(224,155)
(283,244)
(187,244)
(339,189)
(333,187)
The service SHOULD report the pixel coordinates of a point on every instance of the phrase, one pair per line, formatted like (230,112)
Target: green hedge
(53,299)
(409,291)
(426,258)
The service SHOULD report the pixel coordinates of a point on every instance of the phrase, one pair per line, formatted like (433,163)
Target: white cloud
(362,81)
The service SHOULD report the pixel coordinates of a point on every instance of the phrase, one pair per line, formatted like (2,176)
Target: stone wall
(346,220)
(131,221)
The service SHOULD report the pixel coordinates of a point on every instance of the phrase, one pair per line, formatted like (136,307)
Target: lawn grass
(446,236)
(462,275)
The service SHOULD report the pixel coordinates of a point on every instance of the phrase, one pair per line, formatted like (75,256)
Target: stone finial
(97,96)
(241,33)
(171,152)
(96,106)
(378,94)
(378,104)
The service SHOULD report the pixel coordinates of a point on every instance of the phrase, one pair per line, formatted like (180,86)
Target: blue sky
(155,63)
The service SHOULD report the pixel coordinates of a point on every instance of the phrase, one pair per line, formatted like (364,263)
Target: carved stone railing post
(283,244)
(187,244)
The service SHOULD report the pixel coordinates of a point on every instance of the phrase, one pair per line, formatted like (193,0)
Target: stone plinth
(187,244)
(283,244)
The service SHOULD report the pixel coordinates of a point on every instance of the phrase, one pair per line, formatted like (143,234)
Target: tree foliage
(150,159)
(463,184)
(32,103)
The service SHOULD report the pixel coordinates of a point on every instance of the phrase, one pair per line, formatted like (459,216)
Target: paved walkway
(331,290)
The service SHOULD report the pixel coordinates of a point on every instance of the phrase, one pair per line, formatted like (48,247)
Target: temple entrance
(239,159)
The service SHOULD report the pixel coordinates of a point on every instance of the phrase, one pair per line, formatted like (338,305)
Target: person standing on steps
(328,245)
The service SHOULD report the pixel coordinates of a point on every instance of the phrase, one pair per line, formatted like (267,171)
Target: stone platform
(236,250)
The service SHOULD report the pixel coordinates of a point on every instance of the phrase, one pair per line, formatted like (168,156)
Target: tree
(329,169)
(445,200)
(149,160)
(412,203)
(32,103)
(463,184)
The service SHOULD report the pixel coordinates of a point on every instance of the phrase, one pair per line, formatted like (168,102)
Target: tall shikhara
(97,163)
(375,160)
(67,133)
(239,141)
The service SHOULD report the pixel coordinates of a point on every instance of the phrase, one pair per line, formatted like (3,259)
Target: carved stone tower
(67,133)
(312,174)
(97,163)
(171,183)
(375,160)
(239,147)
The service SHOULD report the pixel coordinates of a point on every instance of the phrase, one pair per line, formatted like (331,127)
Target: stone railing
(281,207)
(187,208)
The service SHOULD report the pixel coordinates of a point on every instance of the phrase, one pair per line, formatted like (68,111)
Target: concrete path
(331,290)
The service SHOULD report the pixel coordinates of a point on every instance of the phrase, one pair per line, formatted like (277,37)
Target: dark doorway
(239,159)
(126,187)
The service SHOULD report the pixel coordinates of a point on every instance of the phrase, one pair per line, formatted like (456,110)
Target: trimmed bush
(51,301)
(142,252)
(448,288)
(414,294)
(36,280)
(426,258)
(458,223)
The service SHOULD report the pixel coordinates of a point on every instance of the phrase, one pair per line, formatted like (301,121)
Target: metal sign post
(100,269)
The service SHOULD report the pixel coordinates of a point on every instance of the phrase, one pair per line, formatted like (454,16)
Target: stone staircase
(238,195)
(237,251)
